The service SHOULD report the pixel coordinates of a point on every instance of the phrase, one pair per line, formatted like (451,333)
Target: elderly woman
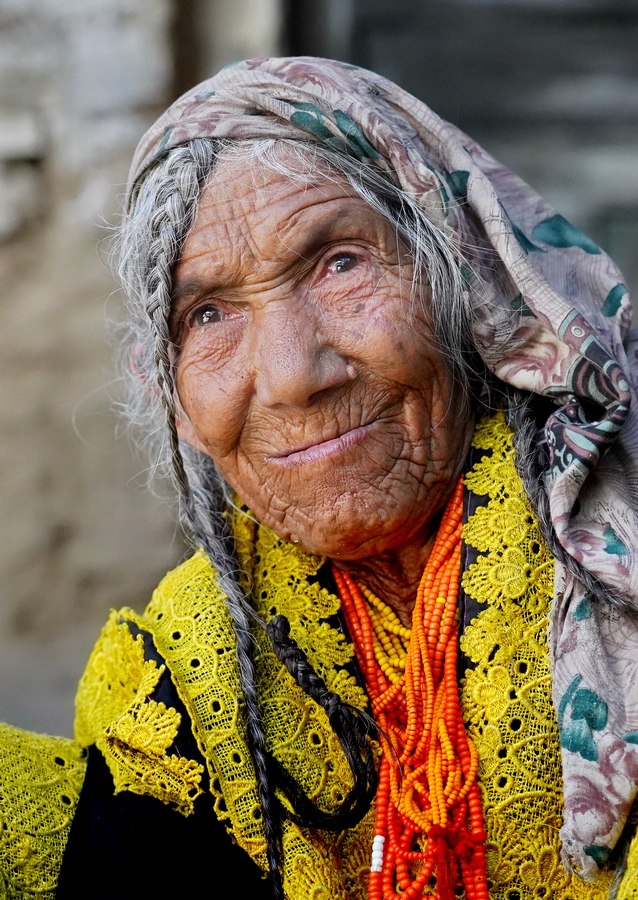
(393,389)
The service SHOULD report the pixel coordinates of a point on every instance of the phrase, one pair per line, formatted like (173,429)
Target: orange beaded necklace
(429,833)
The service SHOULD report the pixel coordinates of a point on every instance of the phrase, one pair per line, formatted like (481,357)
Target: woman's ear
(140,370)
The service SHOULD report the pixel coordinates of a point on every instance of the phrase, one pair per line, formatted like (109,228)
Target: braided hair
(151,240)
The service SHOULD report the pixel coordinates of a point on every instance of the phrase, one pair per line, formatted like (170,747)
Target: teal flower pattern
(580,714)
(558,232)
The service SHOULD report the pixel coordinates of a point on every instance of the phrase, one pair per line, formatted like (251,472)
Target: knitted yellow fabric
(40,781)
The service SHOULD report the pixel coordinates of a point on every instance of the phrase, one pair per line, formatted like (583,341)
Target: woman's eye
(342,262)
(206,315)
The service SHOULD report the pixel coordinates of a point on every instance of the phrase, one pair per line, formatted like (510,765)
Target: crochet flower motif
(513,574)
(116,674)
(506,522)
(133,731)
(136,750)
(151,727)
(494,634)
(543,872)
(493,693)
(511,577)
(492,481)
(502,864)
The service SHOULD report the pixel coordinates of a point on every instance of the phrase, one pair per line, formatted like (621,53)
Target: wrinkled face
(299,370)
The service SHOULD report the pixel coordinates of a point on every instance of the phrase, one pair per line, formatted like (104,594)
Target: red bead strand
(430,837)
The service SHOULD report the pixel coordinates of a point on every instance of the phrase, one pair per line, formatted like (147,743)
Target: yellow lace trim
(628,889)
(40,781)
(188,617)
(115,711)
(507,694)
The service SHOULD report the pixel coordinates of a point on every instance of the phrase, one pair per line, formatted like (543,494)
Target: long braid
(352,727)
(178,185)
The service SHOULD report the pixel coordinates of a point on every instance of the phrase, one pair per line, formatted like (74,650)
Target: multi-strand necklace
(429,833)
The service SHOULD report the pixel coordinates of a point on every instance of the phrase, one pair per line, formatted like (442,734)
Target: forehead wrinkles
(249,217)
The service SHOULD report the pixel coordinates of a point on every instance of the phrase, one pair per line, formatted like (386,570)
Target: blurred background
(548,86)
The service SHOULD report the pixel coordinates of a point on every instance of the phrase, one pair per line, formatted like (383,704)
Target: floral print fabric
(551,314)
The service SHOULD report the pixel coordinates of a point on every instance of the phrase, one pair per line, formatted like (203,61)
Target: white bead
(376,863)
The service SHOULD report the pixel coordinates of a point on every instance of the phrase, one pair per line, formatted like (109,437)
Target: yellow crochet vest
(505,695)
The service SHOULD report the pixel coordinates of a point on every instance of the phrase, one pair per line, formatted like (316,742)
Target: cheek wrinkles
(212,346)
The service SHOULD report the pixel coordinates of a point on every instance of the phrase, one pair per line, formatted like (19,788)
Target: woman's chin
(352,540)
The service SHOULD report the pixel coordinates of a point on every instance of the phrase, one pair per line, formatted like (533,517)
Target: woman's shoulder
(127,703)
(190,578)
(189,599)
(40,782)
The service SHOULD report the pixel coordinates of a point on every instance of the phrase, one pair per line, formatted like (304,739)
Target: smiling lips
(323,449)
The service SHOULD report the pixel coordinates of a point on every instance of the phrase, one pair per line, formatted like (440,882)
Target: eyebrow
(321,232)
(185,290)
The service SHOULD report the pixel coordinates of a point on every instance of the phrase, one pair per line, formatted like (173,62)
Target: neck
(394,576)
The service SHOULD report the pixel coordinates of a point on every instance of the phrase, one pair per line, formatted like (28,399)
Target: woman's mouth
(323,449)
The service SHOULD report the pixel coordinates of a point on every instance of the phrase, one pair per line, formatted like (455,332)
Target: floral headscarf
(554,319)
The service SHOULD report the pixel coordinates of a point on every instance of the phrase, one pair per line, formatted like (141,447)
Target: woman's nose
(294,362)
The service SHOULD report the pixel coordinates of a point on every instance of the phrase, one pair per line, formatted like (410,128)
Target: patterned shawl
(553,319)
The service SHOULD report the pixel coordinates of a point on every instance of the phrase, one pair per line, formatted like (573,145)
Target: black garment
(130,847)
